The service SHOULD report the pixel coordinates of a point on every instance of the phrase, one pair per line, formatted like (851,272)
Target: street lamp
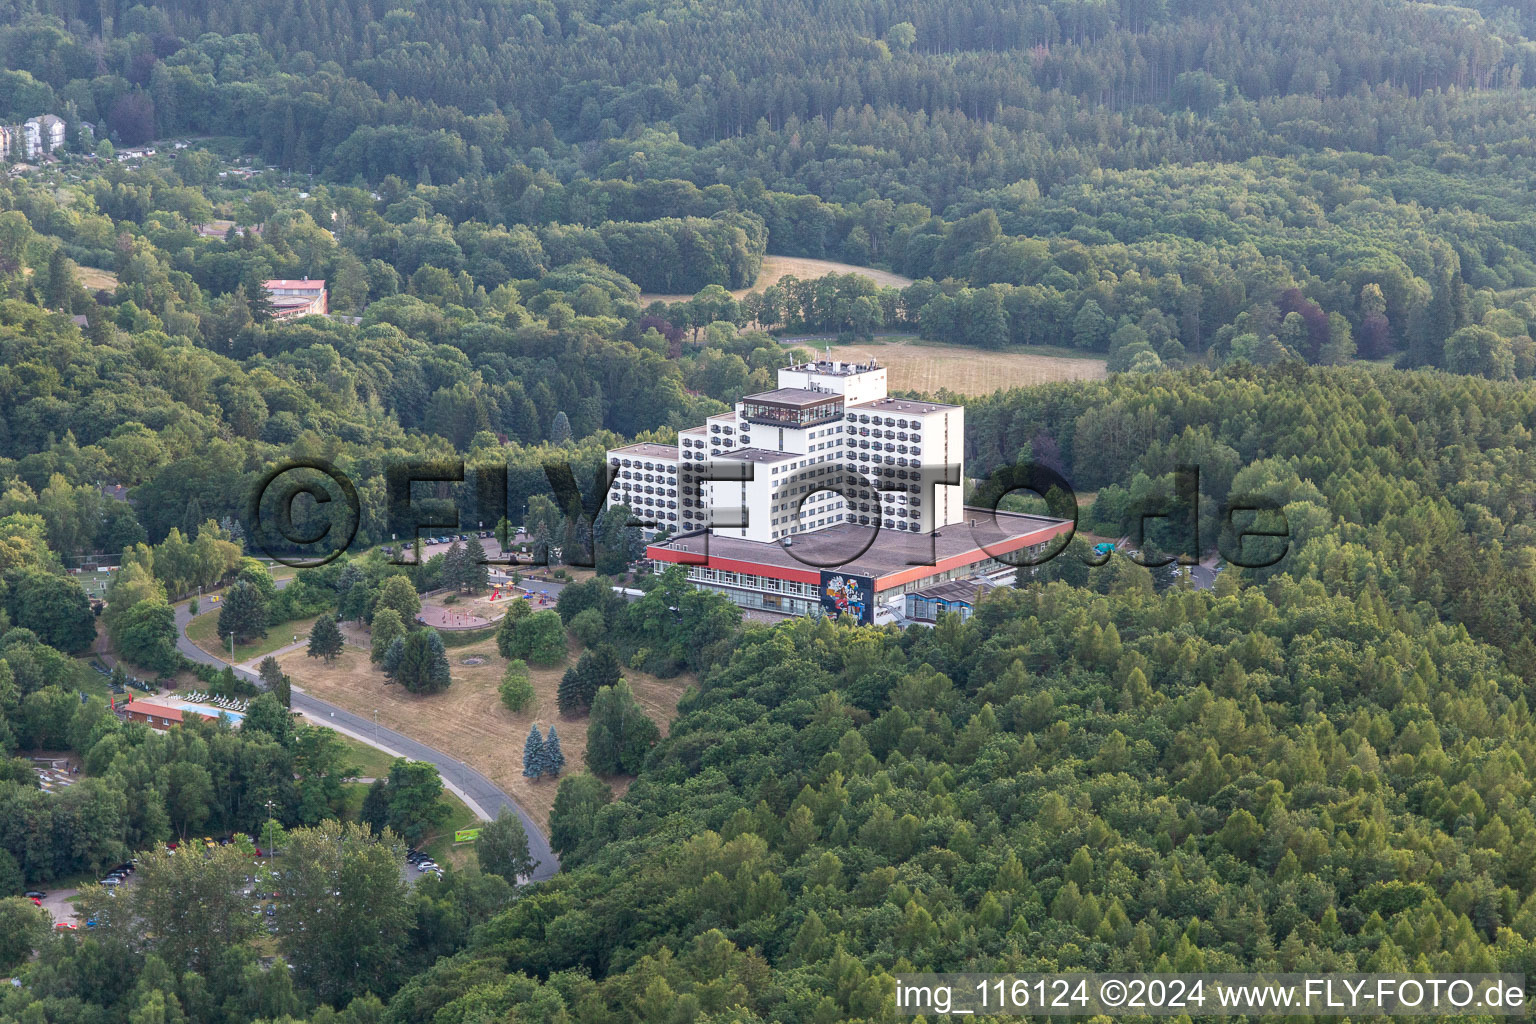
(270,851)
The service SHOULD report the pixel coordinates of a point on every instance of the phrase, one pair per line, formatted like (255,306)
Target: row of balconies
(652,467)
(884,421)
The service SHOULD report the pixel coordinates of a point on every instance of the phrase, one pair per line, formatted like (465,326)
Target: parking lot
(59,902)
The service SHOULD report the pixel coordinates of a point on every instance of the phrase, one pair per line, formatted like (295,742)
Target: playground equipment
(495,591)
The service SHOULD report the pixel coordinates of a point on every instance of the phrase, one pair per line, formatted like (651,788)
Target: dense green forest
(1298,235)
(1139,178)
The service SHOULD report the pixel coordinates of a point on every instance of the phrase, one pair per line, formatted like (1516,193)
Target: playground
(479,610)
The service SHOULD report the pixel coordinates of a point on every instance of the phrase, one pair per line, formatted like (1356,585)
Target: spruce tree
(578,687)
(533,750)
(325,639)
(276,680)
(476,573)
(423,665)
(551,759)
(244,613)
(560,429)
(438,676)
(393,655)
(454,576)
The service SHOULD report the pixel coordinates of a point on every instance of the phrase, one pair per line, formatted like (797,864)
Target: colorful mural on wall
(851,596)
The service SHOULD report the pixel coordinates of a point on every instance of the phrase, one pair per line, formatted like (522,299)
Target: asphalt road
(483,796)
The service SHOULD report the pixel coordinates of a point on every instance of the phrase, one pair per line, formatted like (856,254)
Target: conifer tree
(578,687)
(276,680)
(325,639)
(551,759)
(475,573)
(453,566)
(533,751)
(244,613)
(423,665)
(393,655)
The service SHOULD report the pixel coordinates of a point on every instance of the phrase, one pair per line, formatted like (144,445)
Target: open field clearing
(962,370)
(97,280)
(776,268)
(468,721)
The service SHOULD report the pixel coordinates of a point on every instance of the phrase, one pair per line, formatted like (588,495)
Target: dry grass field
(777,267)
(967,371)
(468,720)
(97,280)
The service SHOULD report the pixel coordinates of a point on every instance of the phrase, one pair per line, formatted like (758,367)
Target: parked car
(35,894)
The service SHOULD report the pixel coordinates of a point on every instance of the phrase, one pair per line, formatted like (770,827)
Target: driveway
(481,795)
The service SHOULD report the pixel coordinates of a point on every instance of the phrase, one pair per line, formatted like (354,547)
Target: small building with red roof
(297,298)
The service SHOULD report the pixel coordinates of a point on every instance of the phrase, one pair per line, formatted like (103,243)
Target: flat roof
(795,396)
(954,590)
(648,449)
(836,367)
(310,286)
(890,557)
(757,455)
(900,405)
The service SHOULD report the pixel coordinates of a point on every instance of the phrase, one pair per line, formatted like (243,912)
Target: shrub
(516,688)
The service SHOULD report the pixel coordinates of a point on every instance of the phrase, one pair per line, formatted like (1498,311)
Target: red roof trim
(896,579)
(889,581)
(811,576)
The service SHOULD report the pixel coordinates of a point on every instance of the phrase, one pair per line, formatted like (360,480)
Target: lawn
(776,268)
(962,370)
(90,682)
(468,720)
(371,762)
(440,845)
(204,631)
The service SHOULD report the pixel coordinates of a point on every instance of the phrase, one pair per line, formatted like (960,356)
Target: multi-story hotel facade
(825,495)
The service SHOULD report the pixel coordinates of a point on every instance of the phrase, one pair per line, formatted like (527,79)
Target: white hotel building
(823,483)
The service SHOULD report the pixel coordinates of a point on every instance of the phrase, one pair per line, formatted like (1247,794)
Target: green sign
(466,835)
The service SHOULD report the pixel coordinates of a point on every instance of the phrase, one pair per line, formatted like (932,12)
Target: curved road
(482,795)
